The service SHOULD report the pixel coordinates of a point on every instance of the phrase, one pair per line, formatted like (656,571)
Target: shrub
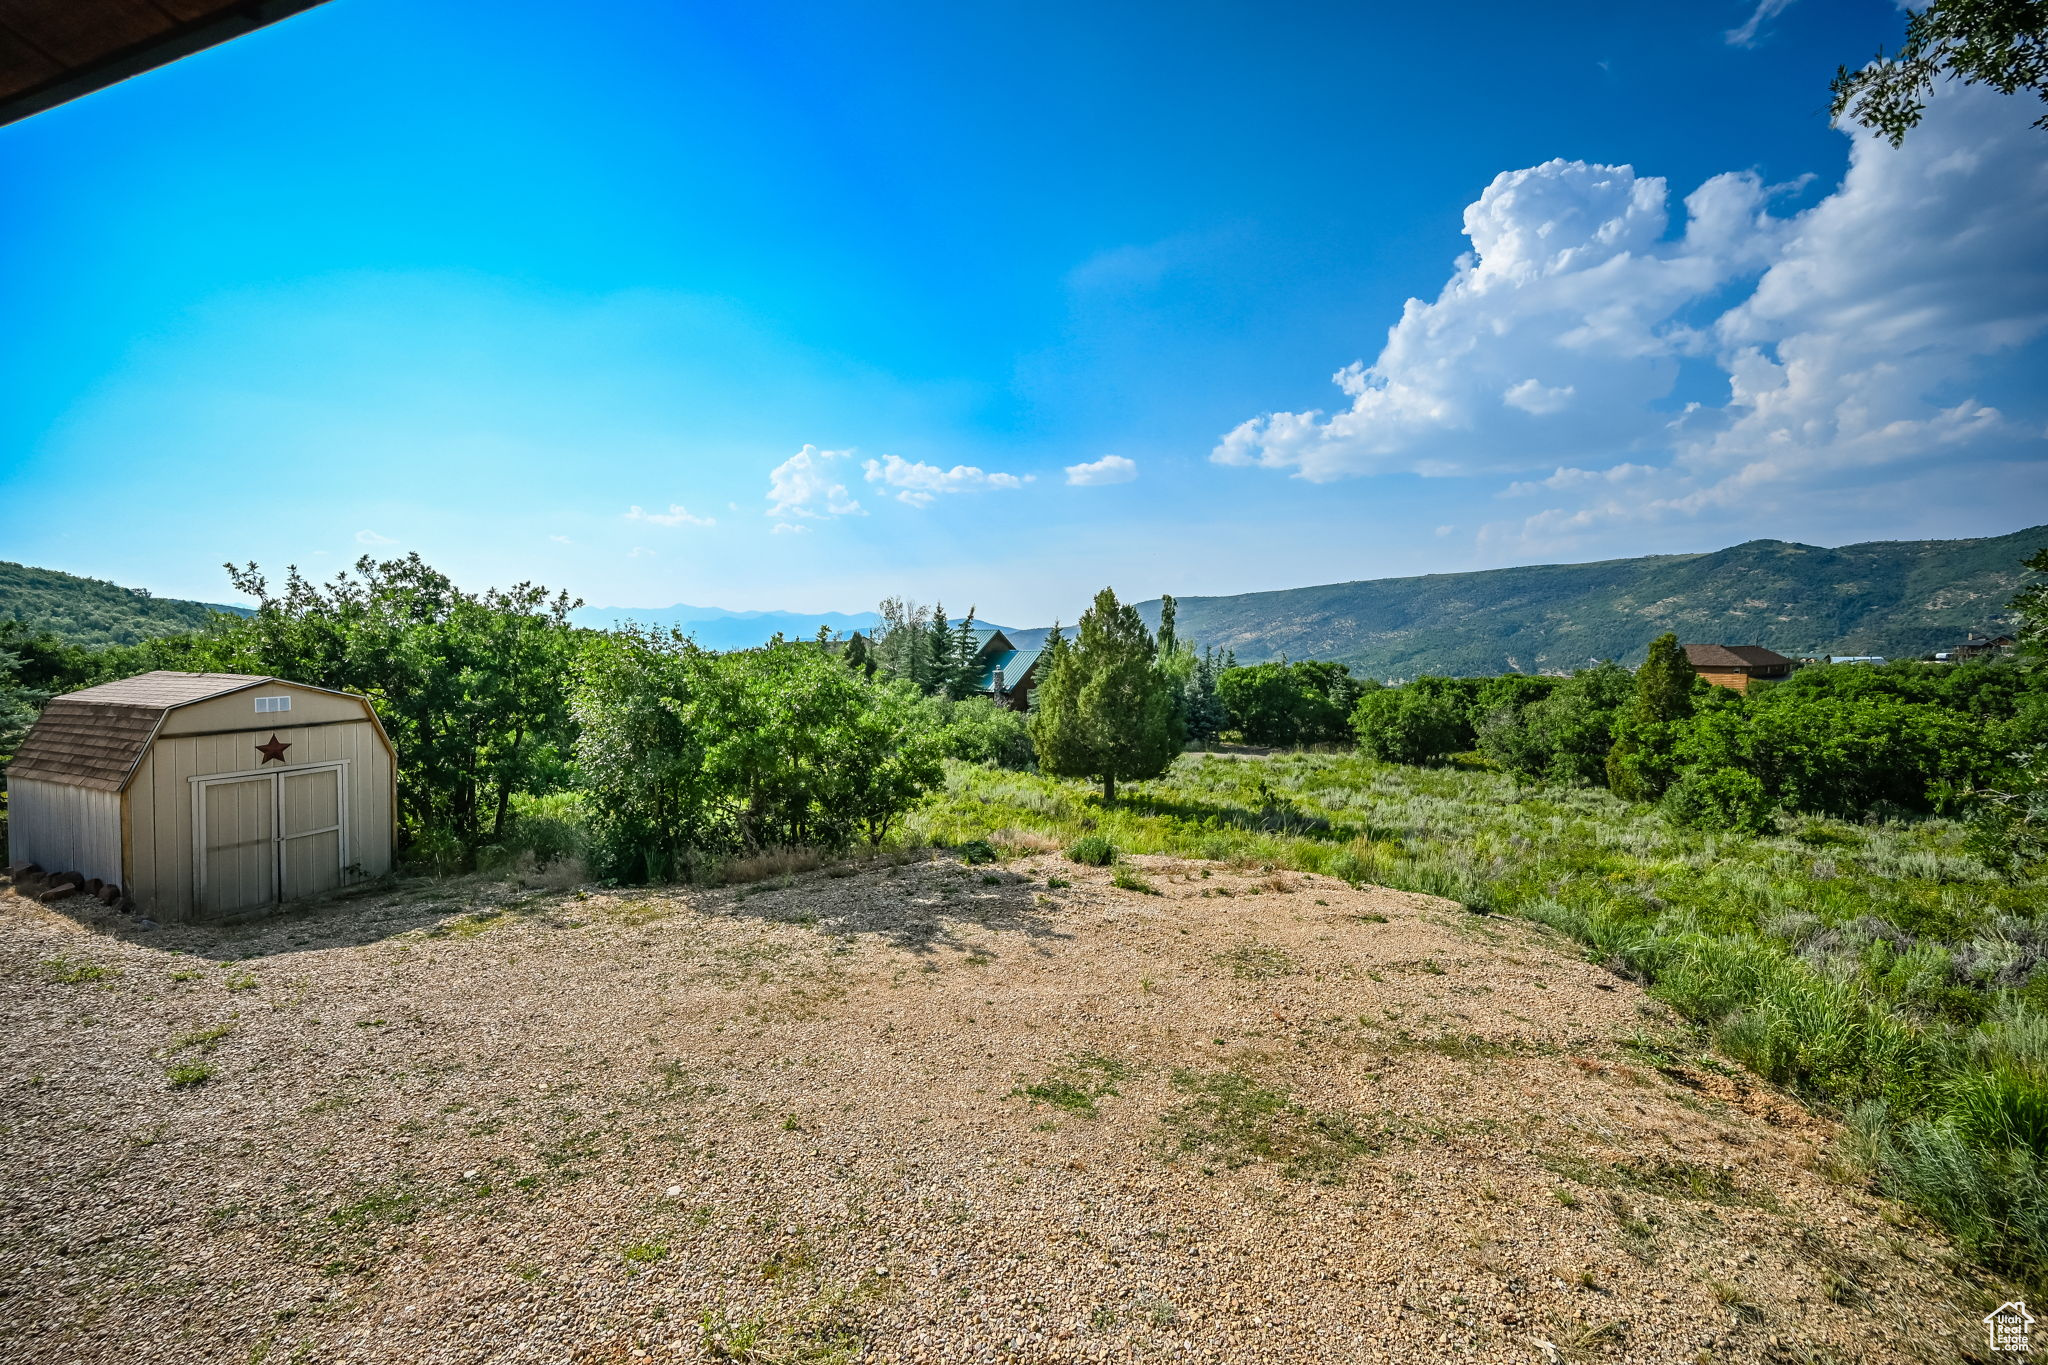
(1403,726)
(976,851)
(1093,850)
(1728,799)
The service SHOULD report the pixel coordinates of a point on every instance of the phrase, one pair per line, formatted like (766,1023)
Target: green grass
(1876,969)
(64,972)
(187,1075)
(1076,1084)
(1232,1120)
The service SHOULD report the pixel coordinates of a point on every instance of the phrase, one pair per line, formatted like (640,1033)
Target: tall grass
(1876,969)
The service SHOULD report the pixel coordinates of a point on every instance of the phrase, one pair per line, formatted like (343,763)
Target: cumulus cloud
(677,515)
(1848,337)
(1108,469)
(372,538)
(807,485)
(917,484)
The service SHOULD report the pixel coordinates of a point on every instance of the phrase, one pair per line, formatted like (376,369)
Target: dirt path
(923,1113)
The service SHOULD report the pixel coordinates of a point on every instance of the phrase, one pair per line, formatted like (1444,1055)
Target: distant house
(1736,665)
(1872,659)
(1007,674)
(1979,647)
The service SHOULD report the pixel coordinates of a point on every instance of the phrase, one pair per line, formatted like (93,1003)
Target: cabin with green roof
(1004,672)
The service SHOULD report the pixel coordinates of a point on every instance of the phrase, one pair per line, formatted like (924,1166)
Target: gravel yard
(926,1112)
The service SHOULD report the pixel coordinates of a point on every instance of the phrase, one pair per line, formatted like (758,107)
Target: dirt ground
(917,1113)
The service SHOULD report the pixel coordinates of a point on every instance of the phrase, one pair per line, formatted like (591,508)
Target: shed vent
(273,704)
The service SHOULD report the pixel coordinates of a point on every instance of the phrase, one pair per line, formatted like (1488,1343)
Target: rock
(58,892)
(108,894)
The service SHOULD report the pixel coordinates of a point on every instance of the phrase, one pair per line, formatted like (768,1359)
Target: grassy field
(1877,969)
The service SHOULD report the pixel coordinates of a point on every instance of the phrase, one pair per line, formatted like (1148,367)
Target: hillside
(92,611)
(717,628)
(1905,597)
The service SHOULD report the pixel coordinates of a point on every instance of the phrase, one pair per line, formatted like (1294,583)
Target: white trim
(278,838)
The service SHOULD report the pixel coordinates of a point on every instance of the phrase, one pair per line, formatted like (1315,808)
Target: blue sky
(1000,303)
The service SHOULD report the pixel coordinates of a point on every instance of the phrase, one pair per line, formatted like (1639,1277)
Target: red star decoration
(273,750)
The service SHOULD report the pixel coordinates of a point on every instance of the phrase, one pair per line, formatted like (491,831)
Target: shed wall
(1726,678)
(161,873)
(237,711)
(63,828)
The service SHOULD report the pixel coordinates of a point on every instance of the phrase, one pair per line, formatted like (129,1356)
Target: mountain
(1889,597)
(717,628)
(92,611)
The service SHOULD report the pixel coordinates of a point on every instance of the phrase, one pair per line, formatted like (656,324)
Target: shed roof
(1734,656)
(94,737)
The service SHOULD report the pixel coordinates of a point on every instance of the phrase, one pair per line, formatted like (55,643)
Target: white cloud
(372,538)
(561,540)
(790,528)
(1532,397)
(640,552)
(677,515)
(1850,336)
(806,485)
(917,484)
(1108,469)
(1766,10)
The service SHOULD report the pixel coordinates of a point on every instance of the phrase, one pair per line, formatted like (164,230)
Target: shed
(206,795)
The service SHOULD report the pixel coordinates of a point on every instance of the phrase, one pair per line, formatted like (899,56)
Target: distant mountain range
(1900,598)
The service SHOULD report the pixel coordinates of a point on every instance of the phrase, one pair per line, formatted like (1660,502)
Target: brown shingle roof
(95,737)
(1734,656)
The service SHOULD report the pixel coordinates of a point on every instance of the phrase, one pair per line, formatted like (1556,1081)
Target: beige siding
(62,828)
(237,711)
(160,798)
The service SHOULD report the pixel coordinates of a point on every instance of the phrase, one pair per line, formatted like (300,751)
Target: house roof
(1015,663)
(94,737)
(56,50)
(1734,656)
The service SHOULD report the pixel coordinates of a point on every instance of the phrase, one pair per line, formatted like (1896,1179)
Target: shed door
(239,846)
(309,835)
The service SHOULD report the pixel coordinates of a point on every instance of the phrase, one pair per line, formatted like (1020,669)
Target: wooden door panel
(240,846)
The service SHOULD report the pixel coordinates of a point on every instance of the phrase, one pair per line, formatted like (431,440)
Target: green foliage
(1403,725)
(2000,43)
(90,612)
(1643,761)
(1105,709)
(1092,851)
(1201,706)
(977,730)
(1719,799)
(1287,705)
(688,755)
(470,686)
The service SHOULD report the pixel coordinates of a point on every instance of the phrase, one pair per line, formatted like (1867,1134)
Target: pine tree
(1641,765)
(1106,710)
(964,675)
(940,663)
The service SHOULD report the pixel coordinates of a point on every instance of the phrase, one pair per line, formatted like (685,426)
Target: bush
(1093,850)
(975,852)
(1399,725)
(976,730)
(1729,799)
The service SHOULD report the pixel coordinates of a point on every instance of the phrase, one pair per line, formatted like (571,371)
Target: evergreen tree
(1642,764)
(942,662)
(1106,710)
(858,657)
(964,675)
(1201,706)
